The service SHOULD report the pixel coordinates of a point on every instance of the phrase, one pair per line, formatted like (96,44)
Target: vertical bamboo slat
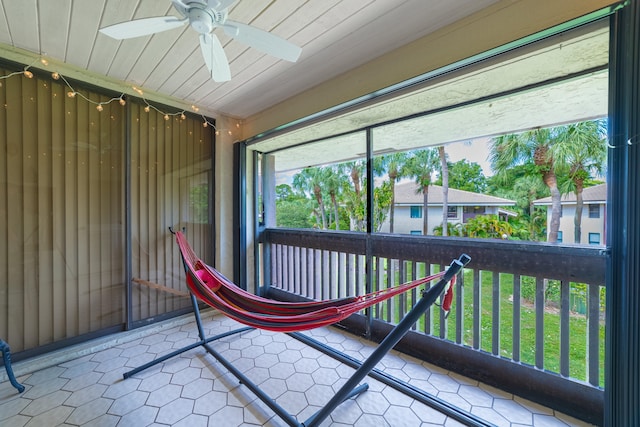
(15,259)
(4,221)
(44,188)
(82,203)
(58,273)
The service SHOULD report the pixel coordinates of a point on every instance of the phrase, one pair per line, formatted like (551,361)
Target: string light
(206,123)
(72,93)
(148,107)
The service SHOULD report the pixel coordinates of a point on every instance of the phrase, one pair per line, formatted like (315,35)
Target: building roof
(595,194)
(407,194)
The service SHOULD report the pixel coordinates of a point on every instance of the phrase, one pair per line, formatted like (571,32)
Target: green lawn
(577,325)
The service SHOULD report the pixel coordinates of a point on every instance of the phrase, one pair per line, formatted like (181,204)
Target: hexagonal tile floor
(194,390)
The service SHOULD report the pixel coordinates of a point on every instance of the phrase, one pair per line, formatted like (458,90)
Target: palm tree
(333,181)
(444,171)
(584,149)
(355,198)
(539,146)
(310,180)
(420,166)
(394,166)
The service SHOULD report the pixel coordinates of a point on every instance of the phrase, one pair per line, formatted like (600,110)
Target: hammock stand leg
(204,340)
(428,298)
(6,357)
(412,391)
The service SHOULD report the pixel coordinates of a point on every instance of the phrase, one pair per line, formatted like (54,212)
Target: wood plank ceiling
(335,36)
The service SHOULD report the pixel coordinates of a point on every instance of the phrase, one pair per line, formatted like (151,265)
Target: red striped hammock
(211,287)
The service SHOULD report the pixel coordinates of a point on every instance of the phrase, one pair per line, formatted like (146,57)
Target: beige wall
(228,134)
(501,23)
(588,225)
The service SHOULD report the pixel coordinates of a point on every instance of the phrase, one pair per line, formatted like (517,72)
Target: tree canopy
(527,166)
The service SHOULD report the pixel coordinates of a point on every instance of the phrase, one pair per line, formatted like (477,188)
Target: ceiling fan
(205,16)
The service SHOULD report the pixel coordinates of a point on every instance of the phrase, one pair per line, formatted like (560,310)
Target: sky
(475,151)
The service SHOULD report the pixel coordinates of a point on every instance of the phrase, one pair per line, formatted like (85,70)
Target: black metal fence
(527,317)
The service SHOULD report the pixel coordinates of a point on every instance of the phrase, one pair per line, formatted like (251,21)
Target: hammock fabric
(211,287)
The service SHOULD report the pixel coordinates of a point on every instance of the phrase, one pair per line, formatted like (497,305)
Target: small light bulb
(166,117)
(44,61)
(71,94)
(182,116)
(205,124)
(217,133)
(122,101)
(28,74)
(55,75)
(147,109)
(99,107)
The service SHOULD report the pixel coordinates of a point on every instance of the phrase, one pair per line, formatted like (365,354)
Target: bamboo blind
(62,209)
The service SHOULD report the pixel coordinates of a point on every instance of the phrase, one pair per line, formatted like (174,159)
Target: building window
(477,210)
(594,238)
(416,211)
(418,232)
(559,236)
(452,212)
(561,210)
(594,211)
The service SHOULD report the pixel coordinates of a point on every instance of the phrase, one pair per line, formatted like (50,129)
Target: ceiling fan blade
(263,41)
(181,7)
(220,4)
(215,58)
(142,27)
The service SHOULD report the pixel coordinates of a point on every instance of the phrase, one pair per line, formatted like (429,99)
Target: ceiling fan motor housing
(200,20)
(204,20)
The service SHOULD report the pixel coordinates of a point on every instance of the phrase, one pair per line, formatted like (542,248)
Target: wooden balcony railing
(527,317)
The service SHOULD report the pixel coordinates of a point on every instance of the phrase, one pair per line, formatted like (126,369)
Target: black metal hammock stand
(211,287)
